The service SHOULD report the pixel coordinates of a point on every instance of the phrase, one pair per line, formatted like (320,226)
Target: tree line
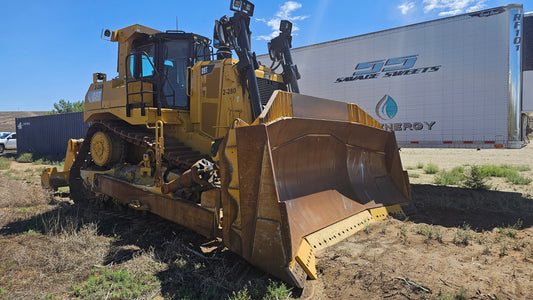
(63,106)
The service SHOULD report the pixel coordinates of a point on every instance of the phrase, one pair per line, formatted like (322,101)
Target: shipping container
(49,135)
(452,82)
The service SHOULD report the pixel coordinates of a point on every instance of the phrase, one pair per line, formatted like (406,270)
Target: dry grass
(67,252)
(37,262)
(15,193)
(61,251)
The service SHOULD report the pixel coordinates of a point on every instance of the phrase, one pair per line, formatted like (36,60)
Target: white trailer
(452,82)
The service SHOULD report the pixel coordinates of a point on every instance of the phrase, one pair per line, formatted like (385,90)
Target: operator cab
(162,59)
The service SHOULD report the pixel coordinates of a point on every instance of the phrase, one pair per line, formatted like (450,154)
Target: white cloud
(406,7)
(284,13)
(452,7)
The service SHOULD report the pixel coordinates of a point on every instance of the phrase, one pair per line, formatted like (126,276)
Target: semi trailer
(460,82)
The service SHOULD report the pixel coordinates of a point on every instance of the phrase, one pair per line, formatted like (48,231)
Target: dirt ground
(456,243)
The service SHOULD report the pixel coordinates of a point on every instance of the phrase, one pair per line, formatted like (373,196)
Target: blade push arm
(234,34)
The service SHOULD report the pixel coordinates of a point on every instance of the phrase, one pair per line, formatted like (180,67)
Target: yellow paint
(51,174)
(379,213)
(306,258)
(337,232)
(358,115)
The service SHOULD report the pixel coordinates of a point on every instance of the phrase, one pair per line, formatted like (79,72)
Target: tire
(2,147)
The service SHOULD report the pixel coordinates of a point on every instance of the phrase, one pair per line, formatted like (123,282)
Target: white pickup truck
(8,141)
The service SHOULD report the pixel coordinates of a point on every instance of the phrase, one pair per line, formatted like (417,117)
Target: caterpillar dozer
(231,149)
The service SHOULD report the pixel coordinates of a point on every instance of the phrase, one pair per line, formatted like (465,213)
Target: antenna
(176,23)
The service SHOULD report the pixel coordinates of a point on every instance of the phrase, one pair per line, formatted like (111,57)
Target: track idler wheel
(106,149)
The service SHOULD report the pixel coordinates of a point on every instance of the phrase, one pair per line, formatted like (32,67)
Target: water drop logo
(386,108)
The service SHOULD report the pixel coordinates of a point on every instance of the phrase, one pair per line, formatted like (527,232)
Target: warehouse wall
(49,135)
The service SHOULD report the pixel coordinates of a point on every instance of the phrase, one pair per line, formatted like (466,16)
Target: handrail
(141,80)
(159,150)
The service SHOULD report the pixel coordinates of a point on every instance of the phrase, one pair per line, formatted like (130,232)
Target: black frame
(158,79)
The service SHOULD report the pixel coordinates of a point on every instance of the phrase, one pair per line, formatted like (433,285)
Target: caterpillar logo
(207,69)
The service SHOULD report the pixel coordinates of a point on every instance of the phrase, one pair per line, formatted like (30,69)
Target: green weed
(431,232)
(119,284)
(414,175)
(438,234)
(25,158)
(512,231)
(461,294)
(403,235)
(366,229)
(523,168)
(277,291)
(383,228)
(2,291)
(31,232)
(10,174)
(423,295)
(508,172)
(426,231)
(240,295)
(5,164)
(487,248)
(518,246)
(4,265)
(453,177)
(463,235)
(476,179)
(517,179)
(503,248)
(63,189)
(442,296)
(419,165)
(25,210)
(48,161)
(497,171)
(431,168)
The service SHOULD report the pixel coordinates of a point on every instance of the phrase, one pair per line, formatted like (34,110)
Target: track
(176,153)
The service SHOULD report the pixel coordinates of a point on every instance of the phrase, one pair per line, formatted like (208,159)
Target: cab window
(175,72)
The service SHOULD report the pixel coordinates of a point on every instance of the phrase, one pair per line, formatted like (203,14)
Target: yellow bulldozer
(231,149)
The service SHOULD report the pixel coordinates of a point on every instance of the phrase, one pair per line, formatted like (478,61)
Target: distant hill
(7,118)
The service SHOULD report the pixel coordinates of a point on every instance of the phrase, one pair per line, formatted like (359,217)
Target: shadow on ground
(481,209)
(197,267)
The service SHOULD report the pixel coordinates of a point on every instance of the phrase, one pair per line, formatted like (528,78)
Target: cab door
(11,142)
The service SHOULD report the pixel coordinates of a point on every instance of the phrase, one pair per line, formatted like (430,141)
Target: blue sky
(51,48)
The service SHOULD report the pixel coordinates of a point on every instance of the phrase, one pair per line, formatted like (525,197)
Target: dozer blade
(53,179)
(308,173)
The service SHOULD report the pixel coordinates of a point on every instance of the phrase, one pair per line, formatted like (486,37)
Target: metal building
(48,135)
